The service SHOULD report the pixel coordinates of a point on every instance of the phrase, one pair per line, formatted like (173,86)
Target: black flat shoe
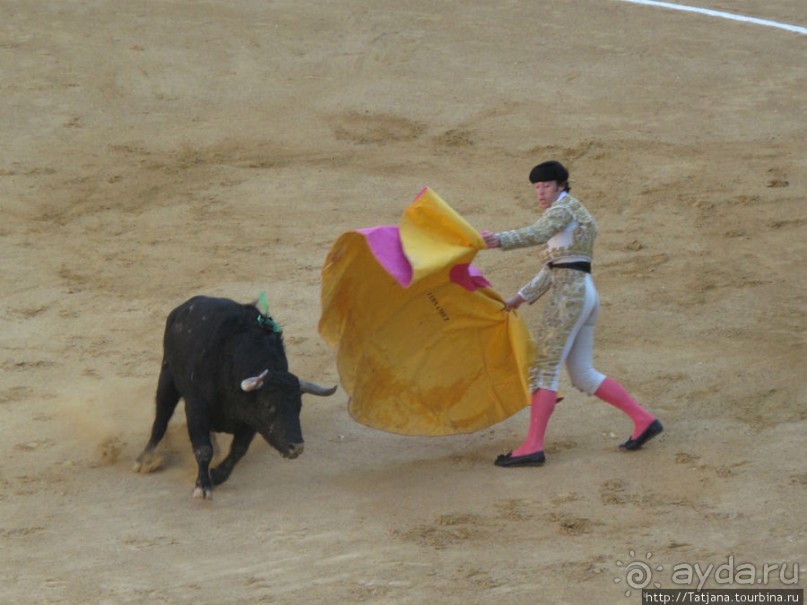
(654,429)
(508,460)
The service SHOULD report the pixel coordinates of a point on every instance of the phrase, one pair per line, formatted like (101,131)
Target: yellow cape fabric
(433,358)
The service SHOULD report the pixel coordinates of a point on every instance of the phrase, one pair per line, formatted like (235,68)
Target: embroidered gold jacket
(566,230)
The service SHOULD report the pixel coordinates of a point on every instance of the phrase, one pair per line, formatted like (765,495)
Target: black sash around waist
(583,266)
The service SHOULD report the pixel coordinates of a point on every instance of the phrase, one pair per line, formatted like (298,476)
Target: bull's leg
(241,439)
(199,432)
(166,402)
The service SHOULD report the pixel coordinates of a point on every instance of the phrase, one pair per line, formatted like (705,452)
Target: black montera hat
(549,171)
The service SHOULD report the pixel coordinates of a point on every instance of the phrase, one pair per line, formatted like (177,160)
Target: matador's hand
(491,239)
(514,303)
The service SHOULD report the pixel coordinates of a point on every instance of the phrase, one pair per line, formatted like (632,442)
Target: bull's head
(279,403)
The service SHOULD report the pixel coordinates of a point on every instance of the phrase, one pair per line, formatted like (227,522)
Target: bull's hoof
(204,494)
(148,462)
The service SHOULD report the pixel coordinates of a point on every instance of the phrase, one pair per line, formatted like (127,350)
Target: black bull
(227,361)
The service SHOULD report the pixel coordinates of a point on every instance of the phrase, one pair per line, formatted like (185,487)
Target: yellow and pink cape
(423,344)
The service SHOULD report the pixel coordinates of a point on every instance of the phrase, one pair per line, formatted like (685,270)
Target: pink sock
(611,391)
(541,408)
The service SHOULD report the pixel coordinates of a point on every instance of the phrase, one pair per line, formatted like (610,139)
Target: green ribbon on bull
(264,319)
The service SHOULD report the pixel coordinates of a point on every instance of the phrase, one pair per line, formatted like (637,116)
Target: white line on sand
(724,15)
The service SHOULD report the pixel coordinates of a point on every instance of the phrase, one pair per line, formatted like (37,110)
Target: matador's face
(547,192)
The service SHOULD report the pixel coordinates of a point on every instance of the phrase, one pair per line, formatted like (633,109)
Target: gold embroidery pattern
(553,221)
(539,286)
(567,287)
(561,313)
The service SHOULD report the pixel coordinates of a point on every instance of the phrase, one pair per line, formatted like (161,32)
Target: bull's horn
(315,389)
(254,383)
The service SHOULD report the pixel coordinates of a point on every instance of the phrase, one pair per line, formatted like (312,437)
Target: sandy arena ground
(156,150)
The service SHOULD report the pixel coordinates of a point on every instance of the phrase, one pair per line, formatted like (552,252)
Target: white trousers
(567,334)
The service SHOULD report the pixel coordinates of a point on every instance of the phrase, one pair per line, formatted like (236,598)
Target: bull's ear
(254,383)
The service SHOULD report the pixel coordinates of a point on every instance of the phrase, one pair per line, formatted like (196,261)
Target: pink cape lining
(385,244)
